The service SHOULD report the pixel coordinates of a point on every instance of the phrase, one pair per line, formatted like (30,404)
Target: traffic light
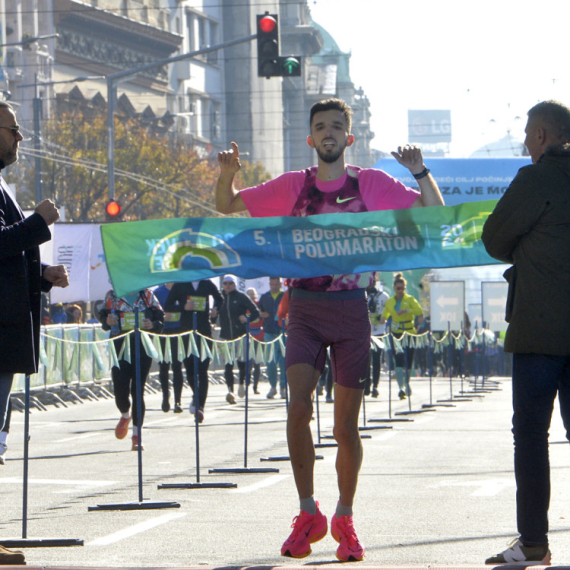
(267,45)
(269,62)
(113,211)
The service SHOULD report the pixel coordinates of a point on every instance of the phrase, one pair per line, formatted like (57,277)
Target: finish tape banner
(152,252)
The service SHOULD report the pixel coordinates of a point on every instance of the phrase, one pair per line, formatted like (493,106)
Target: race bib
(128,321)
(199,302)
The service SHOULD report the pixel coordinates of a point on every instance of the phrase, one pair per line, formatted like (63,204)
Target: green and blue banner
(143,254)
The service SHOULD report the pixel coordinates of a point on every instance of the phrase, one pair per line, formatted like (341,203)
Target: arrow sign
(494,300)
(445,301)
(448,305)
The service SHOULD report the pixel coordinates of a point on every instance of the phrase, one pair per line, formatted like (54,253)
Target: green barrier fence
(84,353)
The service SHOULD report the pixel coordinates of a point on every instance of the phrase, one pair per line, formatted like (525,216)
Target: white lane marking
(82,436)
(486,488)
(80,482)
(135,529)
(164,421)
(273,480)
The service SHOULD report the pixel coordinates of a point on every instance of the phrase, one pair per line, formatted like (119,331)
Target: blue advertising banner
(462,179)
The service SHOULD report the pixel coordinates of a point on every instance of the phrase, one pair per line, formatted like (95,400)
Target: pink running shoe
(306,530)
(350,548)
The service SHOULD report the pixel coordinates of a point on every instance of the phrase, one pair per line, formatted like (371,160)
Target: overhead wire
(146,180)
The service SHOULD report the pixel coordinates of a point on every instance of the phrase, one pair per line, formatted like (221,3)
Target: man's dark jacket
(21,284)
(267,304)
(236,304)
(530,228)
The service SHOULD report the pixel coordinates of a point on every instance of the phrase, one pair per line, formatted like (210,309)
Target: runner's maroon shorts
(342,324)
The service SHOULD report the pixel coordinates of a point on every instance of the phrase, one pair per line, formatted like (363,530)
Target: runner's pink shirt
(278,196)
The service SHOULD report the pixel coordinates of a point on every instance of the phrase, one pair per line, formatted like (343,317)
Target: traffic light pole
(112,97)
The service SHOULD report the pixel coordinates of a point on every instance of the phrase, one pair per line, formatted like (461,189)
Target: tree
(155,176)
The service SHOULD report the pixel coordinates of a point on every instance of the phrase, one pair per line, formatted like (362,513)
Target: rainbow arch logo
(187,249)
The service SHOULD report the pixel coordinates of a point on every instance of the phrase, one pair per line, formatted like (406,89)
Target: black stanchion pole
(319,445)
(484,367)
(246,410)
(406,340)
(245,468)
(138,391)
(425,408)
(142,503)
(430,367)
(364,427)
(477,359)
(461,360)
(450,352)
(196,399)
(25,541)
(391,366)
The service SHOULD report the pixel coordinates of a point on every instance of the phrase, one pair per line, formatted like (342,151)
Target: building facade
(63,50)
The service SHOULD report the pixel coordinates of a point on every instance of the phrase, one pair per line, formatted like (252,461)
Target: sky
(487,62)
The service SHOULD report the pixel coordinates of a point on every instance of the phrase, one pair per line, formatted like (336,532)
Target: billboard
(429,127)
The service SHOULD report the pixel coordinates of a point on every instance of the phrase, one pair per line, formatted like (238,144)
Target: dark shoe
(402,395)
(177,408)
(8,557)
(522,555)
(367,391)
(375,393)
(165,404)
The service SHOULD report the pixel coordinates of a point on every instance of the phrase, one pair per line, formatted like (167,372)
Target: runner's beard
(331,157)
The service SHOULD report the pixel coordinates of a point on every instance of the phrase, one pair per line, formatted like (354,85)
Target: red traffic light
(113,209)
(267,24)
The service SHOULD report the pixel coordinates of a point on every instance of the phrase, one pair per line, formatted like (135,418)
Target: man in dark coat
(530,228)
(22,279)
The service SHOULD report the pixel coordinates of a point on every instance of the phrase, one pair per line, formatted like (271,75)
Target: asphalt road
(436,489)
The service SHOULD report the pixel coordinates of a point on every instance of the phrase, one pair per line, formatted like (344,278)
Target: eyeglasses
(229,283)
(15,130)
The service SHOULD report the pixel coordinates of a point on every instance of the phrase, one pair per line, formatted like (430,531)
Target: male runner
(330,310)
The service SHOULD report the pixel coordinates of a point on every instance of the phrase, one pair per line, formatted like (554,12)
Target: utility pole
(37,108)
